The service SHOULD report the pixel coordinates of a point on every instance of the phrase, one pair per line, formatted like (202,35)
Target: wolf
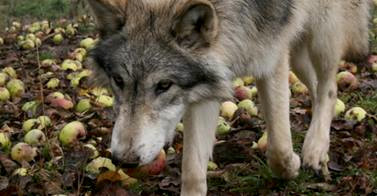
(169,60)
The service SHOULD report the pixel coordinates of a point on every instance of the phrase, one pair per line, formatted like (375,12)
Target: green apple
(356,113)
(222,127)
(35,137)
(16,88)
(3,78)
(249,106)
(10,72)
(263,141)
(212,166)
(83,106)
(27,44)
(72,132)
(53,83)
(87,43)
(95,166)
(48,62)
(44,121)
(58,39)
(4,94)
(23,152)
(93,150)
(248,80)
(69,64)
(104,101)
(299,88)
(340,107)
(238,82)
(5,142)
(30,124)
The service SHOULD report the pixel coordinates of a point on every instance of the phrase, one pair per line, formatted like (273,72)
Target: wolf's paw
(285,167)
(314,152)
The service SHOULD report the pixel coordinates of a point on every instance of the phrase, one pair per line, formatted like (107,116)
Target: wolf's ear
(196,25)
(110,15)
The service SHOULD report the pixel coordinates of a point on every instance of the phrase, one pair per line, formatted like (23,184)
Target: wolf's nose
(127,162)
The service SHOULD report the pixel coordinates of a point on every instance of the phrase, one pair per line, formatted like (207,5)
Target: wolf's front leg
(274,96)
(200,123)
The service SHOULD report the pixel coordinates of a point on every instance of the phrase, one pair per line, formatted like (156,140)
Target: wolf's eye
(118,81)
(163,86)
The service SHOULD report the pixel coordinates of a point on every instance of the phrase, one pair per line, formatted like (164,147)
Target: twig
(40,81)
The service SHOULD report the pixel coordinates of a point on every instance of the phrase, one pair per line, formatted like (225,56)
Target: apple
(83,106)
(299,88)
(263,141)
(293,78)
(81,51)
(70,30)
(10,72)
(346,79)
(248,80)
(31,36)
(228,109)
(48,62)
(154,168)
(243,92)
(27,44)
(23,152)
(356,113)
(87,43)
(30,106)
(3,78)
(5,142)
(93,150)
(4,94)
(16,24)
(98,91)
(58,39)
(35,137)
(72,132)
(29,124)
(38,42)
(55,95)
(44,121)
(374,67)
(238,82)
(211,166)
(69,64)
(16,88)
(171,151)
(45,26)
(340,107)
(93,168)
(249,106)
(59,30)
(349,67)
(179,127)
(222,127)
(104,101)
(53,83)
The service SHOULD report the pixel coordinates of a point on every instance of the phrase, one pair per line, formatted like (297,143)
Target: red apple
(154,168)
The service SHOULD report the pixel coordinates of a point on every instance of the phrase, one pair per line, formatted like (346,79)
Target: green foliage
(41,9)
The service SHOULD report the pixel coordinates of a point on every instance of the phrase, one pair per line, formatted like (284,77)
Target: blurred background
(26,11)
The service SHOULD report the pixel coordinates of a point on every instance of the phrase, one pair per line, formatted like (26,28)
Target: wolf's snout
(127,161)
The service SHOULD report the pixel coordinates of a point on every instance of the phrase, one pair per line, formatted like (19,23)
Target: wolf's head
(153,56)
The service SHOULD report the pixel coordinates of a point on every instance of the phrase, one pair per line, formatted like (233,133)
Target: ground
(59,168)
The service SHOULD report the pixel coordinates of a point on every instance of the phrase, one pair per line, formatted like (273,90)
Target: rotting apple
(72,132)
(23,152)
